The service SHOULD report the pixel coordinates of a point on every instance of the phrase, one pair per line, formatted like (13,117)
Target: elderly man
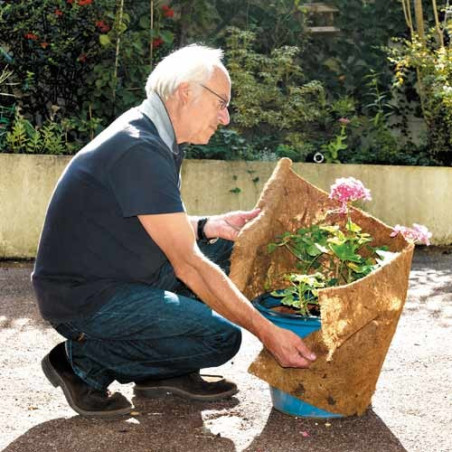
(119,259)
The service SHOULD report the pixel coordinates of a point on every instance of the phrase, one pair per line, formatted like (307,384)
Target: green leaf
(104,40)
(346,252)
(271,247)
(353,227)
(322,249)
(313,250)
(364,268)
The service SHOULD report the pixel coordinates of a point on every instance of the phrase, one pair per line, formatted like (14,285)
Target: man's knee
(227,344)
(235,340)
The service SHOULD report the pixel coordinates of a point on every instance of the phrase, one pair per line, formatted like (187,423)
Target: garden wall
(403,195)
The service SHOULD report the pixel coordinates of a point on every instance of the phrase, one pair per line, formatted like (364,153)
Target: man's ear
(184,92)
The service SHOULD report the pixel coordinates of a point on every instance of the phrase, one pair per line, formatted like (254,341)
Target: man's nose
(223,116)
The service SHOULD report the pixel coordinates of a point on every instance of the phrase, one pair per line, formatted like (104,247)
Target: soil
(411,408)
(313,310)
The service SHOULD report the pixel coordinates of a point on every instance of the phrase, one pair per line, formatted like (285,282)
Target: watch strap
(201,234)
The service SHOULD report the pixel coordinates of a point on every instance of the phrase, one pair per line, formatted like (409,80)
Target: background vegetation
(379,91)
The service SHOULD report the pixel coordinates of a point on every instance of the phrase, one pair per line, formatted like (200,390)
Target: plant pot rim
(265,302)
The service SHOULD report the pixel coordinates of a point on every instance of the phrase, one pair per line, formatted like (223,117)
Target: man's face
(209,108)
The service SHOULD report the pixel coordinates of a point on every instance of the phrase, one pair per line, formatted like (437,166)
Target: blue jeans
(146,332)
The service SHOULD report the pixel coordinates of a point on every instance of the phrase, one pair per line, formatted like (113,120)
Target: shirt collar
(154,108)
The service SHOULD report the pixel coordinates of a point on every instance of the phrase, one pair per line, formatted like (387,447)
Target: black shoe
(84,399)
(194,386)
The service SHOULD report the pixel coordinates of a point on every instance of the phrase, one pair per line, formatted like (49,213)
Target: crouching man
(131,281)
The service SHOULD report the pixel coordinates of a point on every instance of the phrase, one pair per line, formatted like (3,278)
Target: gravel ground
(411,409)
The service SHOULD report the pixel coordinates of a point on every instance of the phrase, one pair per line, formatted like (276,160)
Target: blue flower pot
(302,327)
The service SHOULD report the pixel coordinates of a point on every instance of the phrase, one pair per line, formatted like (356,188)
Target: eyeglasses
(224,102)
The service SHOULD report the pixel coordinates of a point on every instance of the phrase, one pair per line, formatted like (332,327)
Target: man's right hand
(288,349)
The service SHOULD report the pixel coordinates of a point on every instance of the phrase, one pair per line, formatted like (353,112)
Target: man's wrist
(203,235)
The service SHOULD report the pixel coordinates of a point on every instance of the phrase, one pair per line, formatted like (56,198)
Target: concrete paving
(411,409)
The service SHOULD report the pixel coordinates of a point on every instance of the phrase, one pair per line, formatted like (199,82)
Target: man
(119,259)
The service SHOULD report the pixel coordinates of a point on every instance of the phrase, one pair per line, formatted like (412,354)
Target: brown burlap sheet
(358,320)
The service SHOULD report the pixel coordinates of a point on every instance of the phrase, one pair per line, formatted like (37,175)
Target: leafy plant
(434,68)
(331,255)
(331,150)
(270,94)
(226,144)
(52,46)
(24,138)
(7,108)
(429,54)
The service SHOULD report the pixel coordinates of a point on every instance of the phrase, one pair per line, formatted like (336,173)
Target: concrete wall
(403,195)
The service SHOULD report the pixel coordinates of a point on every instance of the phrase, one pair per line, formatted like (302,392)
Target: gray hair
(191,64)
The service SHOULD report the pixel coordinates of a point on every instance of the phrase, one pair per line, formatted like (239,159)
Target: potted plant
(328,253)
(333,252)
(357,319)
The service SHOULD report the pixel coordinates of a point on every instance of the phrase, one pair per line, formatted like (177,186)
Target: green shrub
(271,97)
(433,64)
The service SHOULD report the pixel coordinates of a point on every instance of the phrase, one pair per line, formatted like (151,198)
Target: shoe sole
(163,391)
(56,381)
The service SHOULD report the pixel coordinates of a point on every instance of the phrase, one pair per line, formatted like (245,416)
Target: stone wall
(401,195)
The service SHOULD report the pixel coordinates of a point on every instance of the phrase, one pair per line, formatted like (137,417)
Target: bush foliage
(69,67)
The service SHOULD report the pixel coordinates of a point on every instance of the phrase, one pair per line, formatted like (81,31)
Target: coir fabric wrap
(358,319)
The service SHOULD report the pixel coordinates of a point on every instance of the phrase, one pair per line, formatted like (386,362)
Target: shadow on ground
(170,426)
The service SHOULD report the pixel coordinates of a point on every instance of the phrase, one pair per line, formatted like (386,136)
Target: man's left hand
(228,225)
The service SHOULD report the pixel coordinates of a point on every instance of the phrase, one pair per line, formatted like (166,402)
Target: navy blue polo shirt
(92,239)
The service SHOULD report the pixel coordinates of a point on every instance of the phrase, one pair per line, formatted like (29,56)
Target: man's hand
(228,225)
(288,349)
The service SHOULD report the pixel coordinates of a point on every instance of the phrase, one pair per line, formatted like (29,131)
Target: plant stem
(407,13)
(312,262)
(118,39)
(291,250)
(437,26)
(419,14)
(151,49)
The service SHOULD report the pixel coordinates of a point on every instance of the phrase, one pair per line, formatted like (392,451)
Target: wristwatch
(201,234)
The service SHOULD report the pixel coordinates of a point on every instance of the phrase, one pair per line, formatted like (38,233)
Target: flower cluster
(157,42)
(102,26)
(418,233)
(31,36)
(167,11)
(348,189)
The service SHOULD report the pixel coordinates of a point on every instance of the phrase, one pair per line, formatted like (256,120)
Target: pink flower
(344,121)
(348,189)
(418,233)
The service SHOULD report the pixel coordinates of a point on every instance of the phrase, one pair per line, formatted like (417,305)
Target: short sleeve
(145,180)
